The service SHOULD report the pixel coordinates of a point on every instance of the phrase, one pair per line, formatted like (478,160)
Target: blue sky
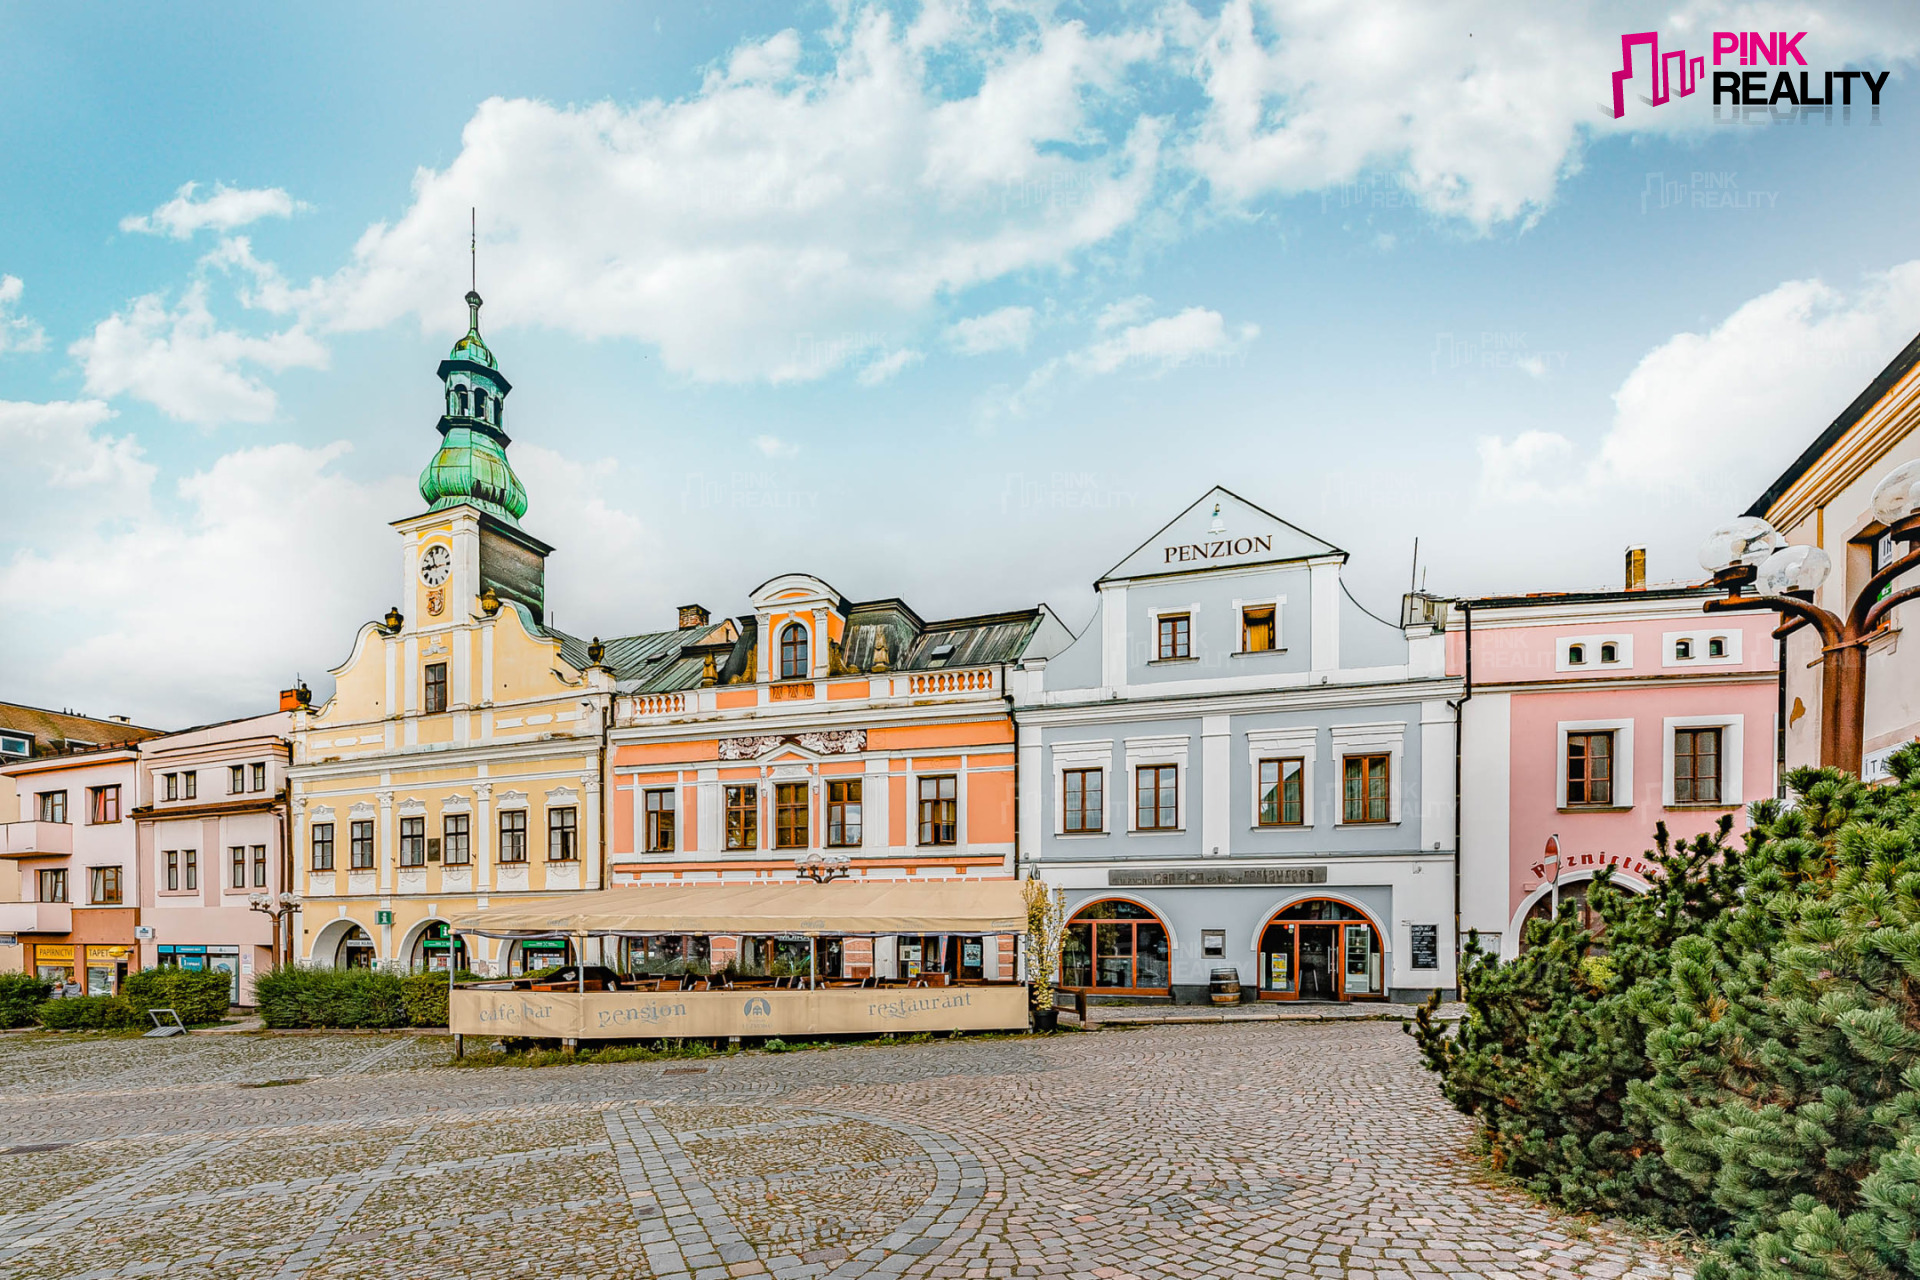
(956,303)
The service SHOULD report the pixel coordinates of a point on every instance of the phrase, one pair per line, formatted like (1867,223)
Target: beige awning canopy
(762,907)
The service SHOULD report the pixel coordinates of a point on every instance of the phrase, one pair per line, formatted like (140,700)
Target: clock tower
(467,552)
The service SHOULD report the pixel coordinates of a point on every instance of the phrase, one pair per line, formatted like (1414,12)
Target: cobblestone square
(1188,1152)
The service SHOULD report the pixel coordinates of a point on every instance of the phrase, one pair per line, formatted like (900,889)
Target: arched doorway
(1576,892)
(355,950)
(432,947)
(531,955)
(1116,946)
(1321,949)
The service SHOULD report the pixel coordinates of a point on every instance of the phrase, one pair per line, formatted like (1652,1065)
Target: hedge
(88,1013)
(21,995)
(198,996)
(352,998)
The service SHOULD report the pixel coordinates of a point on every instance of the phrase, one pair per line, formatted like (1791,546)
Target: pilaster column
(298,857)
(384,854)
(590,852)
(482,836)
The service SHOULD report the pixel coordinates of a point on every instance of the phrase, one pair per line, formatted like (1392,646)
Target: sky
(948,301)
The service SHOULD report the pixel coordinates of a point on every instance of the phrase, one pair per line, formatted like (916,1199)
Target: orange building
(825,736)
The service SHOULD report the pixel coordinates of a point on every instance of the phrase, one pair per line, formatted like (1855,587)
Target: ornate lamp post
(1750,553)
(276,907)
(822,866)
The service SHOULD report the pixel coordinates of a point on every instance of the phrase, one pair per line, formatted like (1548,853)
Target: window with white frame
(1718,647)
(1703,759)
(1591,653)
(1080,786)
(1285,759)
(1259,625)
(1156,770)
(1582,779)
(1372,776)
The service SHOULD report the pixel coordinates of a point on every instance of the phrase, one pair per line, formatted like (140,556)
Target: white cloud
(888,365)
(184,364)
(17,332)
(223,210)
(58,441)
(786,201)
(1008,329)
(775,447)
(1196,334)
(1126,311)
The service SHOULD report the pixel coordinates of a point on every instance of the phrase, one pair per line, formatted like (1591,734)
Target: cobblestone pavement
(1187,1152)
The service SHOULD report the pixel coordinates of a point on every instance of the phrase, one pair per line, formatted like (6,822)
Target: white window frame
(1369,740)
(1240,607)
(1160,750)
(1266,744)
(1622,731)
(1082,755)
(1732,635)
(1732,758)
(1563,644)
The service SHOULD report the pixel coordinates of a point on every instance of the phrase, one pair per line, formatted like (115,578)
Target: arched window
(355,950)
(1609,653)
(793,652)
(460,395)
(1115,946)
(431,952)
(1321,950)
(1576,655)
(479,404)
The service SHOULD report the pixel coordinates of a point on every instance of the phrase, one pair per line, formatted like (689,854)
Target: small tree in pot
(1046,934)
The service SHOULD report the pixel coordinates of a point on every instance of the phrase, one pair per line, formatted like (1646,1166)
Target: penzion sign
(1216,549)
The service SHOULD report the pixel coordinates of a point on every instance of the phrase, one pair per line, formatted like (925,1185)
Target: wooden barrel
(1225,986)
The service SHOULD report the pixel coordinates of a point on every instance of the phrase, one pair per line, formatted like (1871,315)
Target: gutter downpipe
(1459,946)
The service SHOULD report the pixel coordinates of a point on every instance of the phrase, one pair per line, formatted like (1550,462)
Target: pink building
(212,836)
(1589,717)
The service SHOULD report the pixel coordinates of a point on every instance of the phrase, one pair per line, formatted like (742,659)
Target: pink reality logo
(1745,89)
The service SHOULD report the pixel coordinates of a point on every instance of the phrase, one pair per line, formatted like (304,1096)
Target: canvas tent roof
(783,907)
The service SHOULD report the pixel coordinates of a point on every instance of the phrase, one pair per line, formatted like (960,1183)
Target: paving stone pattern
(1186,1152)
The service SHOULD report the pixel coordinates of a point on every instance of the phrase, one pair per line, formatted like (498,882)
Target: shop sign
(107,955)
(144,932)
(1199,877)
(49,953)
(1426,945)
(9,939)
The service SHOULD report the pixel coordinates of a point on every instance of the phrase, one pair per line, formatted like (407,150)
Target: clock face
(436,565)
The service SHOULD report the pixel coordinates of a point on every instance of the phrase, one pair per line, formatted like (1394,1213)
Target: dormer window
(793,652)
(1576,655)
(939,656)
(1609,653)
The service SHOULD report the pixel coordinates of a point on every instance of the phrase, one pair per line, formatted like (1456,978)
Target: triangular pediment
(1222,530)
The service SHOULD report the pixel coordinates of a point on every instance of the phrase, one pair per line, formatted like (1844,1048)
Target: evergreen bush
(198,996)
(21,995)
(87,1013)
(297,997)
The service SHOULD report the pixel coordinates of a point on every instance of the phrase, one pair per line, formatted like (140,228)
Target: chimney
(1636,568)
(295,698)
(692,615)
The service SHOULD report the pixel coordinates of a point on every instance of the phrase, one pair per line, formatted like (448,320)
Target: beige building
(1825,499)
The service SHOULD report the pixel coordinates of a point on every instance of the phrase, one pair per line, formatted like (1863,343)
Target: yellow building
(461,759)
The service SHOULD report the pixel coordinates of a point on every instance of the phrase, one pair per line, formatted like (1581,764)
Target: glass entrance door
(1320,950)
(1318,943)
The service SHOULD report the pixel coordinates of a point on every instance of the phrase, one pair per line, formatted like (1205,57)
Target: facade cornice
(444,757)
(1312,698)
(1490,616)
(1765,676)
(216,809)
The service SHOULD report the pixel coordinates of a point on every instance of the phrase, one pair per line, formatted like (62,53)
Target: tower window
(460,396)
(479,404)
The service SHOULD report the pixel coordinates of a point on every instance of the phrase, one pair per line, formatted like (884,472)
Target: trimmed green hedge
(88,1013)
(21,995)
(352,998)
(197,996)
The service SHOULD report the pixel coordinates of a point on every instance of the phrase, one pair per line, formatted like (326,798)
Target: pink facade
(1590,719)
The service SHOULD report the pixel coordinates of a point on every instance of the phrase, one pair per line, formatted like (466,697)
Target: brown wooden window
(322,851)
(939,810)
(843,813)
(1083,797)
(790,815)
(1156,792)
(360,846)
(173,786)
(743,817)
(103,804)
(513,835)
(106,886)
(436,686)
(1175,634)
(413,842)
(563,835)
(53,806)
(1590,768)
(1365,796)
(259,866)
(192,857)
(259,777)
(660,815)
(53,885)
(189,785)
(1696,766)
(793,652)
(1283,793)
(1256,629)
(237,867)
(173,868)
(456,833)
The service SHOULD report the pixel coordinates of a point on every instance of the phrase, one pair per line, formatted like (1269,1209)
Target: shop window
(843,813)
(1365,794)
(563,835)
(435,686)
(1157,797)
(1696,766)
(1175,636)
(53,884)
(1320,950)
(793,652)
(103,804)
(1282,792)
(237,867)
(413,842)
(190,860)
(360,846)
(52,806)
(259,866)
(106,886)
(456,832)
(322,847)
(1115,945)
(1257,629)
(743,817)
(356,950)
(659,808)
(1590,768)
(790,815)
(1084,801)
(173,869)
(939,810)
(513,835)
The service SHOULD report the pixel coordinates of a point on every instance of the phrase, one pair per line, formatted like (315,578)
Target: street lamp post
(1750,553)
(276,907)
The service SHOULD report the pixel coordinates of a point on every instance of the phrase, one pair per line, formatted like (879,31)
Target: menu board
(1426,946)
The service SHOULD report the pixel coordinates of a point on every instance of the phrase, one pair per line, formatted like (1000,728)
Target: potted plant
(1046,934)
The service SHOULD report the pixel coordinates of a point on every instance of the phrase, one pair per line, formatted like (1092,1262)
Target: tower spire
(473,249)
